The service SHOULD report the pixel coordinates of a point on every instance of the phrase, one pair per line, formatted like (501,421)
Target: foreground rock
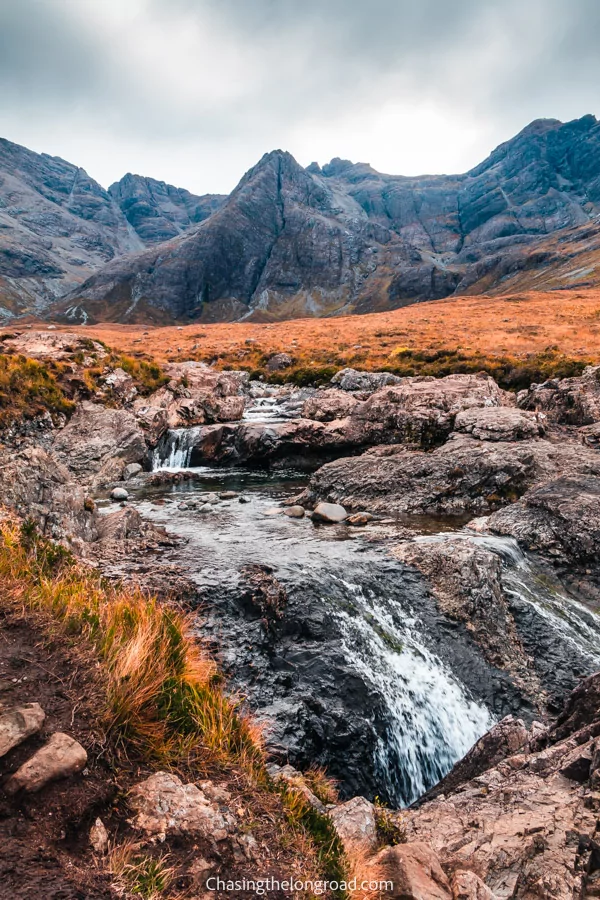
(356,825)
(163,805)
(98,443)
(499,424)
(526,826)
(60,757)
(467,584)
(17,724)
(463,476)
(414,872)
(38,487)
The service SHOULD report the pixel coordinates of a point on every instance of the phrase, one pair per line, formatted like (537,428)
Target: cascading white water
(265,409)
(175,448)
(432,721)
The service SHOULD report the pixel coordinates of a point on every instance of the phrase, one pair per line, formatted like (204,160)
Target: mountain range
(293,241)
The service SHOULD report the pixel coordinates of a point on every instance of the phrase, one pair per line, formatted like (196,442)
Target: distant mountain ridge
(290,241)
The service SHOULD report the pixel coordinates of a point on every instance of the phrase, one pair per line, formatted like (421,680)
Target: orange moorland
(515,327)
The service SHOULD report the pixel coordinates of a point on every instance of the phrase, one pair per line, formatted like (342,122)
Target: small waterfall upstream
(174,450)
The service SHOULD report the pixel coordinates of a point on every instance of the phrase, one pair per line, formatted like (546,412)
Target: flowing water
(378,619)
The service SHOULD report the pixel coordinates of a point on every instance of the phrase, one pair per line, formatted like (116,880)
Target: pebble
(119,493)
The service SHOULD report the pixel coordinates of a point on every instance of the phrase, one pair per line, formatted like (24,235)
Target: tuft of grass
(27,389)
(321,784)
(301,816)
(148,375)
(164,696)
(141,874)
(389,825)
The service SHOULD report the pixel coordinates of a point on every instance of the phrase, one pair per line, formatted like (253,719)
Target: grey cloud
(499,61)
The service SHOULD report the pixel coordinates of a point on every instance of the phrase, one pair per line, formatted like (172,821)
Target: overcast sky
(193,92)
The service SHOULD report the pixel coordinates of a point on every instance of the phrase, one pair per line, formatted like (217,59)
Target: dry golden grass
(164,698)
(511,325)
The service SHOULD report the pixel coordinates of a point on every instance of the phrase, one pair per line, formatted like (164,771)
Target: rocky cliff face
(57,226)
(158,211)
(318,241)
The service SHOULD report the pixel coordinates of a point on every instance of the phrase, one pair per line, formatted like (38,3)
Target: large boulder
(327,405)
(560,518)
(98,443)
(195,395)
(421,411)
(465,475)
(466,580)
(410,872)
(367,382)
(356,825)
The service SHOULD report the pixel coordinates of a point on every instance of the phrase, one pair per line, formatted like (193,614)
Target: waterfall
(432,721)
(174,450)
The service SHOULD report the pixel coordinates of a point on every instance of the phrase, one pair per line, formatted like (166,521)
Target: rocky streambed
(335,634)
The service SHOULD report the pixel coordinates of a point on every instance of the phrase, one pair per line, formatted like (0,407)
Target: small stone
(359,520)
(330,513)
(119,494)
(18,724)
(60,757)
(183,506)
(227,495)
(131,471)
(243,500)
(99,836)
(294,512)
(274,511)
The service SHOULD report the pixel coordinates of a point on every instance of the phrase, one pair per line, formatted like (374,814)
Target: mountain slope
(292,241)
(159,211)
(57,225)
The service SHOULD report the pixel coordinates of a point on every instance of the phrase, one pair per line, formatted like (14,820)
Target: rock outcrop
(559,519)
(38,487)
(98,443)
(527,825)
(195,394)
(465,475)
(566,401)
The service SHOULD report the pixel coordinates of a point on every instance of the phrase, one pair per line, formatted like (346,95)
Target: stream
(363,674)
